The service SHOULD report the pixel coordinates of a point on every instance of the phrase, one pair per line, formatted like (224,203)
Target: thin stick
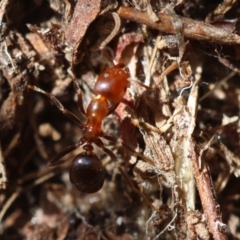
(169,69)
(20,190)
(206,191)
(217,85)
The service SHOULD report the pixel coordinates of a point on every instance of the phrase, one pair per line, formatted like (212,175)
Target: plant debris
(176,133)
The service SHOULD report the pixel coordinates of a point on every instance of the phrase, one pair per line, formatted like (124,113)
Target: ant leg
(135,153)
(55,160)
(113,157)
(67,113)
(112,108)
(80,98)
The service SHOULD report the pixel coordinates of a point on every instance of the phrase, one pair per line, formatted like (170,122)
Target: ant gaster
(86,171)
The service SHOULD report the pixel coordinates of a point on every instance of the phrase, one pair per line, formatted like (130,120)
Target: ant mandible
(86,171)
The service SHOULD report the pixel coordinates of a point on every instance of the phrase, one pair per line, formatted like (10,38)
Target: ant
(86,171)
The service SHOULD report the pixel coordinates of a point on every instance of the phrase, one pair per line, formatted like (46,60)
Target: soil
(172,167)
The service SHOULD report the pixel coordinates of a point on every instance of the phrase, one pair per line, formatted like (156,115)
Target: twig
(191,28)
(154,53)
(9,203)
(20,190)
(207,194)
(169,69)
(11,145)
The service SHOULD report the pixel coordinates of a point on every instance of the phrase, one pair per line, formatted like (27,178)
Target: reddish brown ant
(86,171)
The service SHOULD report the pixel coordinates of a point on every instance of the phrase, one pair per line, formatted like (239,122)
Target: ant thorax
(97,110)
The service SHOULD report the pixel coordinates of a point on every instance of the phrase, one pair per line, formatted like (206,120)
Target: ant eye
(87,173)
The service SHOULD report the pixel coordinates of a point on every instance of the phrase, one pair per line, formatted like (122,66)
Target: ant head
(113,83)
(87,173)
